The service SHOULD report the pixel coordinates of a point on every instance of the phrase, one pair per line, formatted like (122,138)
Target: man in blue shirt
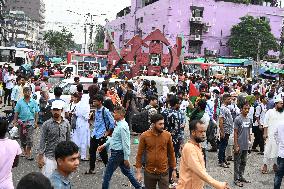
(103,127)
(119,145)
(26,115)
(67,158)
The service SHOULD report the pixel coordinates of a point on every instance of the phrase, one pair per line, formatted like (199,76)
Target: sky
(57,14)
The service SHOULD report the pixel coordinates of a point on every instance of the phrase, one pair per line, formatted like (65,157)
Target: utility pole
(85,43)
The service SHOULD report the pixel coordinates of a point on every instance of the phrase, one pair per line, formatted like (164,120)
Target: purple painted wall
(172,17)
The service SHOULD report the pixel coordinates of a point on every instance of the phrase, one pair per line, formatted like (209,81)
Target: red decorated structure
(147,56)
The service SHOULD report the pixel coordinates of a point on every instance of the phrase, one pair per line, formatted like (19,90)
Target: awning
(56,60)
(235,62)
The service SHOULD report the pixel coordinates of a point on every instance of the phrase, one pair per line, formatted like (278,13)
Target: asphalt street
(81,181)
(119,181)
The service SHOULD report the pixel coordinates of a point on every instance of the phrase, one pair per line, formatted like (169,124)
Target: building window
(197,11)
(153,28)
(141,20)
(265,19)
(194,47)
(122,26)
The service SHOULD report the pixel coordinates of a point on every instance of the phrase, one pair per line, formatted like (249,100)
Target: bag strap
(103,114)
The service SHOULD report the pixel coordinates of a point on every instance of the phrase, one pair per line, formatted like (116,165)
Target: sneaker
(173,186)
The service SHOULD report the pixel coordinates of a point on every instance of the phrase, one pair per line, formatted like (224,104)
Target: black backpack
(140,122)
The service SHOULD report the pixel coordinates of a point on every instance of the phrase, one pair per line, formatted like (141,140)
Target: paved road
(81,181)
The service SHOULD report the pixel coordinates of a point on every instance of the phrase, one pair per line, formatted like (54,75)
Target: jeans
(222,148)
(240,161)
(279,173)
(94,144)
(117,160)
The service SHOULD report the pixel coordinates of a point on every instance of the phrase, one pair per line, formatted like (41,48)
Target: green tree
(60,41)
(250,36)
(100,37)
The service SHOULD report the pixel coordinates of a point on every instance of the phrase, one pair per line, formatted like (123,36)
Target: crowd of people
(219,114)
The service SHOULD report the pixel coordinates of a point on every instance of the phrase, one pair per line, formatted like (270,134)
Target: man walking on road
(242,143)
(103,126)
(272,118)
(26,115)
(119,145)
(226,129)
(157,145)
(193,173)
(53,131)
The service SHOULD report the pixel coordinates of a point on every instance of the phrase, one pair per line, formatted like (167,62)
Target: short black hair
(152,97)
(225,96)
(242,105)
(130,85)
(173,100)
(95,80)
(65,149)
(120,109)
(99,98)
(58,91)
(193,125)
(34,180)
(80,88)
(3,128)
(156,117)
(76,79)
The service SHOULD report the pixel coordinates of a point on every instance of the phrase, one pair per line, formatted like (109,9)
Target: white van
(160,82)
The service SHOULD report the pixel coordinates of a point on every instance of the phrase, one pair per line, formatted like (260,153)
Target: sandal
(245,181)
(90,172)
(238,183)
(224,165)
(30,158)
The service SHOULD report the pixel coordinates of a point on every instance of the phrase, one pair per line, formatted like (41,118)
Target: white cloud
(57,15)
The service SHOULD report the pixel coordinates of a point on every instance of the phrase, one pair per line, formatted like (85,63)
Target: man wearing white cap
(272,118)
(53,131)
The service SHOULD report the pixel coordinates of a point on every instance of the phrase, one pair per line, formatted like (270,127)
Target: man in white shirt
(279,137)
(272,118)
(9,79)
(73,88)
(258,119)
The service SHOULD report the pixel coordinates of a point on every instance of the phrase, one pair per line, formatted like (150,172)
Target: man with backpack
(103,127)
(141,122)
(175,123)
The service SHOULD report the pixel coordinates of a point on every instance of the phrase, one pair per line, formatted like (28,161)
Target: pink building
(205,25)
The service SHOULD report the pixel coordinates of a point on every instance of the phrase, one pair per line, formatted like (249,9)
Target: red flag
(193,91)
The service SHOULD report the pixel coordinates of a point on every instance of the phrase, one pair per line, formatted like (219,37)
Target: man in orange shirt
(193,174)
(158,147)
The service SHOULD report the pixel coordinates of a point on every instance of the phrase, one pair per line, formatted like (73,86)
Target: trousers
(94,144)
(151,180)
(222,148)
(240,161)
(117,160)
(279,173)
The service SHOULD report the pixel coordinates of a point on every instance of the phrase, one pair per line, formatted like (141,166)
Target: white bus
(13,56)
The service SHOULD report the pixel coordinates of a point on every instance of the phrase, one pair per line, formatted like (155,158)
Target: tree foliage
(60,41)
(250,34)
(100,37)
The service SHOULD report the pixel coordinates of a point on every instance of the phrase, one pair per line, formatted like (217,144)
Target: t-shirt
(243,124)
(228,119)
(8,151)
